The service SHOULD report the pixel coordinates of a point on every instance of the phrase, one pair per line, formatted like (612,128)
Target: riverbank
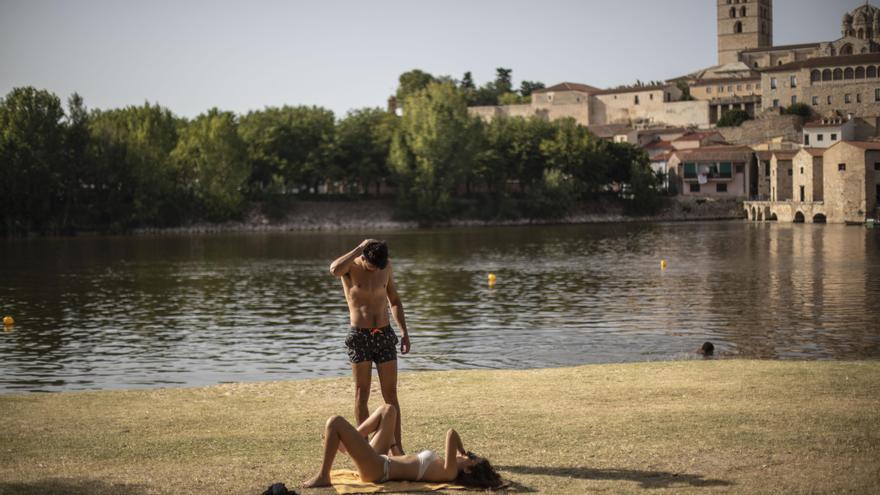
(677,427)
(379,214)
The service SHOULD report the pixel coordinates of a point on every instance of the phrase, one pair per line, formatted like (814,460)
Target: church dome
(864,14)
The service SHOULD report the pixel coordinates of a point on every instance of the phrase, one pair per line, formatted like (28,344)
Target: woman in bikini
(376,462)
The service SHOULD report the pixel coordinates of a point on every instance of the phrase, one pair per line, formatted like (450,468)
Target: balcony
(714,172)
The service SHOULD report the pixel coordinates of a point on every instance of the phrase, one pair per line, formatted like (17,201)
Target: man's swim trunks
(371,344)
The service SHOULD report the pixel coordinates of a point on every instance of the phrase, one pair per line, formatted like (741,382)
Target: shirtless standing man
(369,290)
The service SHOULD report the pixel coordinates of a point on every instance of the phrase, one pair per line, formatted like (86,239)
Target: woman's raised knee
(334,422)
(388,410)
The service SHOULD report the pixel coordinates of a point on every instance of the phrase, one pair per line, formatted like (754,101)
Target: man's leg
(388,383)
(362,373)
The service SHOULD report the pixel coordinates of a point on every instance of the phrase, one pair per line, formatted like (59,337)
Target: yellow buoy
(662,264)
(8,321)
(492,279)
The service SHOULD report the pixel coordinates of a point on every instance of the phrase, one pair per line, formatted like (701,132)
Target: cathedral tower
(743,25)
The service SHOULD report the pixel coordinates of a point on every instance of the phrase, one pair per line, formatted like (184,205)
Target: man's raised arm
(340,267)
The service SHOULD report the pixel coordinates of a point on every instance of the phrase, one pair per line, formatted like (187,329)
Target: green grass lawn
(679,427)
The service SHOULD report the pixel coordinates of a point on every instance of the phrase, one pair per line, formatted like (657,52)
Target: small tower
(743,25)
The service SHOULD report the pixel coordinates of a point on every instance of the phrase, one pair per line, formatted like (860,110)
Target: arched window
(738,27)
(860,72)
(871,72)
(846,50)
(826,75)
(832,51)
(849,73)
(838,74)
(756,65)
(860,34)
(815,76)
(733,12)
(742,11)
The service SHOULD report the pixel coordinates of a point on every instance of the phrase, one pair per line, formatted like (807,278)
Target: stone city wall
(786,128)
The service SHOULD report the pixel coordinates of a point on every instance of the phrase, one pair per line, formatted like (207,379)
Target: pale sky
(191,55)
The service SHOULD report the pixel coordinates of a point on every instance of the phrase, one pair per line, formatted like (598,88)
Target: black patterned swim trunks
(371,344)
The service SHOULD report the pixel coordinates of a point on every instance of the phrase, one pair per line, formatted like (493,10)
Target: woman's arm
(453,448)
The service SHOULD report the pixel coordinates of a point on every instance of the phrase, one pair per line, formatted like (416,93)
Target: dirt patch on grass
(681,427)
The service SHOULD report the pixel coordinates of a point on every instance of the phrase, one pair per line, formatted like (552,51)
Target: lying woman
(376,463)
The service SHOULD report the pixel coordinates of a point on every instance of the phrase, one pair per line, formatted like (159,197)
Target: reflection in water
(129,312)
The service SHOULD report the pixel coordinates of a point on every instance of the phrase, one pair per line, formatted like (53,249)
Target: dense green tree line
(64,170)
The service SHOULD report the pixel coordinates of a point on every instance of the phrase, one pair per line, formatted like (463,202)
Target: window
(806,139)
(730,88)
(742,11)
(739,169)
(749,87)
(695,188)
(775,103)
(877,166)
(720,89)
(847,98)
(858,97)
(709,90)
(637,99)
(724,170)
(793,81)
(841,167)
(722,188)
(802,194)
(738,27)
(789,172)
(793,100)
(815,101)
(876,95)
(739,87)
(829,99)
(820,137)
(772,83)
(802,170)
(690,170)
(834,137)
(767,171)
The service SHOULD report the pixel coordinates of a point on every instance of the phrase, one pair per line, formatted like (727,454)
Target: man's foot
(316,482)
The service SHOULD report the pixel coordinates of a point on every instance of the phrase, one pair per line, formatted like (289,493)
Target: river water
(131,312)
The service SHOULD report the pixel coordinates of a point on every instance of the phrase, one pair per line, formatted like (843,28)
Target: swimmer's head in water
(708,349)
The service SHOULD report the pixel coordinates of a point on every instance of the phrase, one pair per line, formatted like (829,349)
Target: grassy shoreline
(673,427)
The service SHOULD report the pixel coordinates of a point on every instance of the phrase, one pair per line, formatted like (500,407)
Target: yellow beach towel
(346,481)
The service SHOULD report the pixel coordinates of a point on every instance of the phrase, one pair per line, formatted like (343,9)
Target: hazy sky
(193,55)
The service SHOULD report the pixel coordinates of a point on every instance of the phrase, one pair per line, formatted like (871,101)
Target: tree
(412,82)
(512,99)
(78,166)
(363,141)
(576,152)
(467,82)
(290,148)
(526,88)
(133,178)
(503,83)
(733,118)
(682,85)
(31,160)
(799,109)
(212,158)
(433,149)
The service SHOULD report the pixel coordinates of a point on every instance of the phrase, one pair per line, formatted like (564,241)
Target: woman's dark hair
(377,254)
(482,475)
